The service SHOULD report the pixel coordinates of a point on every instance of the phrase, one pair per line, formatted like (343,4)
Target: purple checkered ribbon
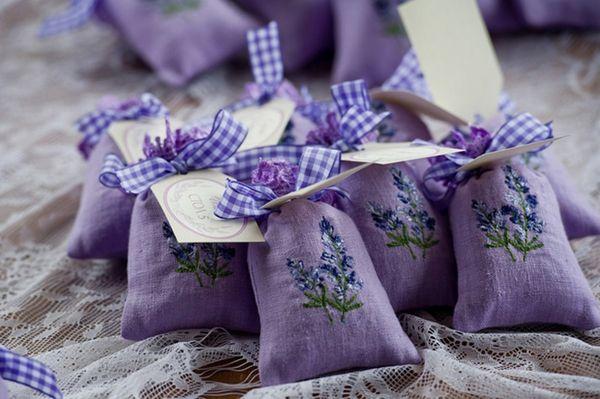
(225,138)
(28,372)
(78,13)
(518,130)
(94,124)
(354,127)
(312,109)
(357,120)
(409,77)
(246,200)
(241,165)
(350,94)
(267,67)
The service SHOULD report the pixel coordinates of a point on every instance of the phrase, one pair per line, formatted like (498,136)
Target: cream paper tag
(501,155)
(418,105)
(456,55)
(129,135)
(313,188)
(189,203)
(388,153)
(266,123)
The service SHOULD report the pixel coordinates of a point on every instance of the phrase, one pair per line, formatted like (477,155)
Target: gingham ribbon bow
(246,200)
(78,13)
(519,130)
(94,124)
(28,372)
(223,141)
(356,119)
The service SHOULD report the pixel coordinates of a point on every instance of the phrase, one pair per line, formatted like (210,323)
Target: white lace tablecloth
(66,313)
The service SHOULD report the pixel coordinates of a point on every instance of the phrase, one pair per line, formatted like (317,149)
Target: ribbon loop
(94,124)
(355,125)
(349,94)
(223,141)
(265,58)
(28,372)
(317,164)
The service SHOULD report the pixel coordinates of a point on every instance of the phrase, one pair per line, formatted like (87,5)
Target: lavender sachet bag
(406,238)
(514,262)
(322,308)
(176,39)
(101,227)
(269,83)
(579,217)
(164,276)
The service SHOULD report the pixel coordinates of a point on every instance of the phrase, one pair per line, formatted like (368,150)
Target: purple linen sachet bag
(166,277)
(322,308)
(515,265)
(178,39)
(101,227)
(514,262)
(580,219)
(172,286)
(408,241)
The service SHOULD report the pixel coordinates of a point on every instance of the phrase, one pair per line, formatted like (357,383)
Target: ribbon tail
(108,174)
(78,13)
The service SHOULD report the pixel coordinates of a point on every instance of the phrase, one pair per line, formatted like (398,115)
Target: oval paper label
(196,212)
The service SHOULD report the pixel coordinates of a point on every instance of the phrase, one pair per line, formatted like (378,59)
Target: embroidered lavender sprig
(520,211)
(409,224)
(208,261)
(333,285)
(277,174)
(173,143)
(325,134)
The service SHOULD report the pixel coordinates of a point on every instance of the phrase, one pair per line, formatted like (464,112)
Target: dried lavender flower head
(326,134)
(170,146)
(277,174)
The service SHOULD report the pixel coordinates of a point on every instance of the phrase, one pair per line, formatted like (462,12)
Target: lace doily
(66,313)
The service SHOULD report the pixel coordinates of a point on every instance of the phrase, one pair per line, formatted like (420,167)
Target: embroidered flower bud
(277,174)
(326,134)
(170,146)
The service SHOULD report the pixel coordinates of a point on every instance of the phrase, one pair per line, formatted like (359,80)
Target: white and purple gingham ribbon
(409,77)
(356,119)
(94,124)
(267,66)
(28,372)
(518,130)
(241,165)
(78,14)
(314,110)
(225,138)
(246,200)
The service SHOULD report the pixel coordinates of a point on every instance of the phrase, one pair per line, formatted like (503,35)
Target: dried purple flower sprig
(173,143)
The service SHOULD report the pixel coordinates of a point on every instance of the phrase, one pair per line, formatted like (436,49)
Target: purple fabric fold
(172,286)
(101,228)
(515,265)
(296,263)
